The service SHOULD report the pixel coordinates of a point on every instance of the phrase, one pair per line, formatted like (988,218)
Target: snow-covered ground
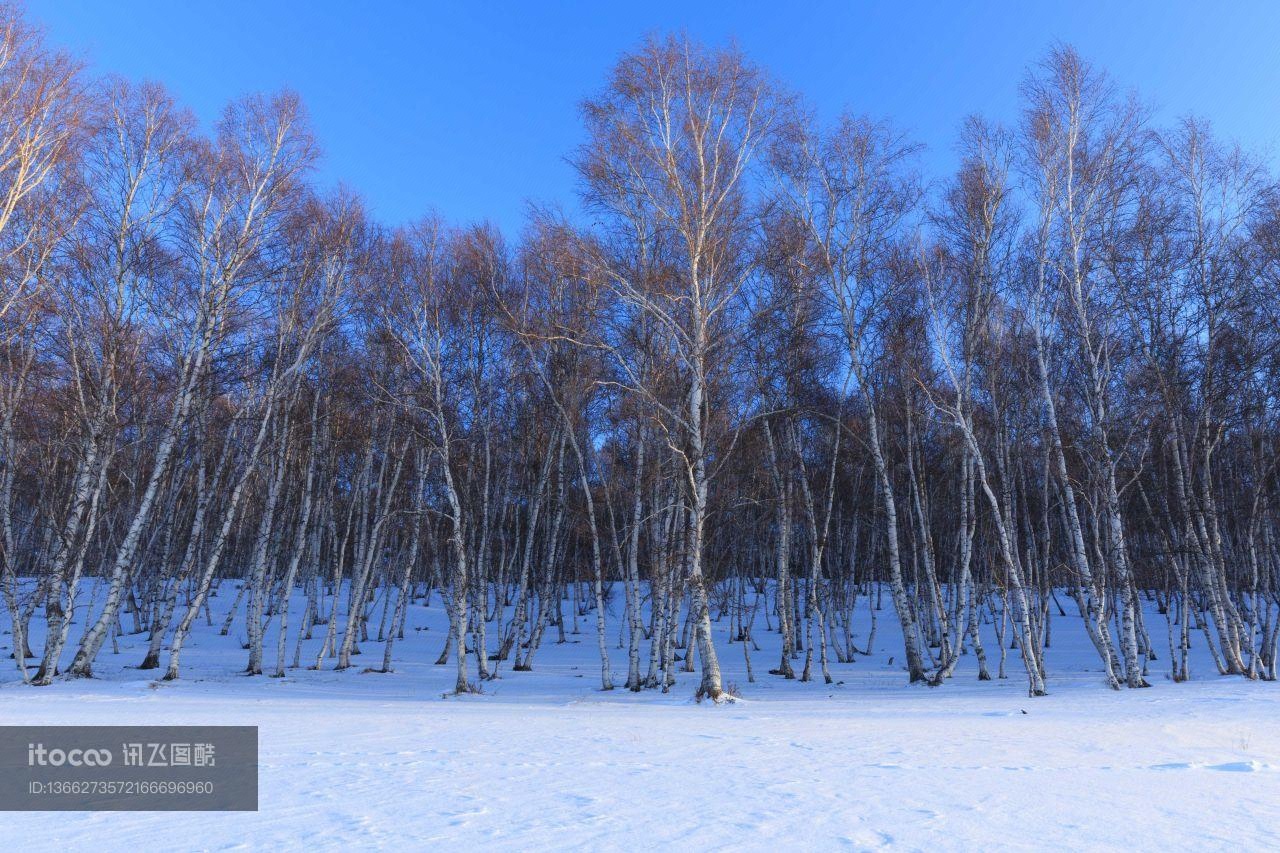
(545,760)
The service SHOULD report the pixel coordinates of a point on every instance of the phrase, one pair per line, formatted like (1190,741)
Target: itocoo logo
(38,756)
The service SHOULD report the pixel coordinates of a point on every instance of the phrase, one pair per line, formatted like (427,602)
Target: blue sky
(471,108)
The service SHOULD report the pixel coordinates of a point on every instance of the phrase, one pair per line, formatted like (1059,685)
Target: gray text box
(128,768)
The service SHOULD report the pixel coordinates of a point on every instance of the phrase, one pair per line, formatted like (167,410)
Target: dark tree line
(775,376)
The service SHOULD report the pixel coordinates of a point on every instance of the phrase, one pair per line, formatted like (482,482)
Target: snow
(544,759)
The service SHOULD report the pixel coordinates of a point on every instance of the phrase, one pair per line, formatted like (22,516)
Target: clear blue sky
(471,108)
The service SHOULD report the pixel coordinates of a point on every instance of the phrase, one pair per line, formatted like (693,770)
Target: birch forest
(765,374)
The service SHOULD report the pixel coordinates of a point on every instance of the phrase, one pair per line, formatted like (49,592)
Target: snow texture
(545,760)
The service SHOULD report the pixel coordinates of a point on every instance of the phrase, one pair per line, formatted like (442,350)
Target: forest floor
(545,759)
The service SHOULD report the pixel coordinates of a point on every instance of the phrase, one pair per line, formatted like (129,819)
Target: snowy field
(545,760)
